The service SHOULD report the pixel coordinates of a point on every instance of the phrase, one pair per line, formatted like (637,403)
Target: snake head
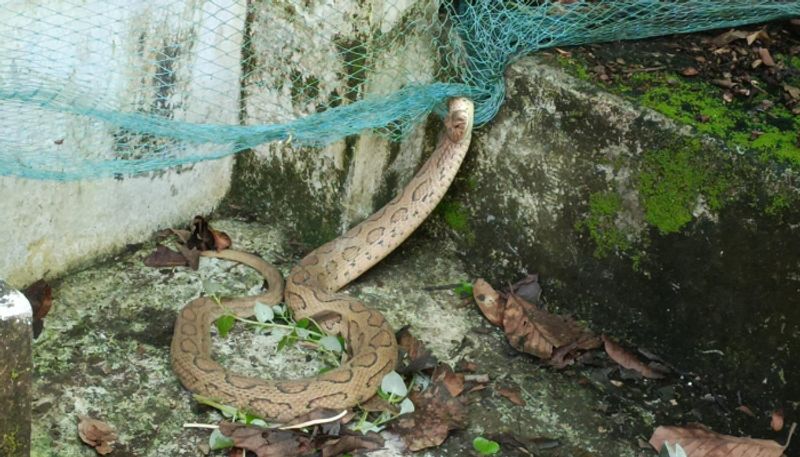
(459,119)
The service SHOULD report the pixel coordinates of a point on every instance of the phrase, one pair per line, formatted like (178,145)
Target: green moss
(671,182)
(771,133)
(455,215)
(601,224)
(574,67)
(10,445)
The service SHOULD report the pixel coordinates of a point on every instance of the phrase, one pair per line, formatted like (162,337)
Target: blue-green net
(102,88)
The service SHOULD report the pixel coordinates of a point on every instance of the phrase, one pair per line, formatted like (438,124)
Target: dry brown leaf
(729,37)
(538,332)
(489,301)
(453,382)
(165,257)
(698,441)
(418,357)
(766,57)
(204,238)
(512,393)
(528,288)
(97,434)
(267,443)
(793,91)
(221,240)
(777,420)
(628,359)
(761,34)
(349,443)
(40,296)
(437,412)
(690,71)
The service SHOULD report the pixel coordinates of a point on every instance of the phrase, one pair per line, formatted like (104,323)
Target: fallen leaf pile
(200,238)
(285,443)
(554,338)
(97,434)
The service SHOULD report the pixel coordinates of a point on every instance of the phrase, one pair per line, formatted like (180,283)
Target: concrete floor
(105,353)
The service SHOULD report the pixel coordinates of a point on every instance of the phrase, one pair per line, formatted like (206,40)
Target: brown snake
(310,292)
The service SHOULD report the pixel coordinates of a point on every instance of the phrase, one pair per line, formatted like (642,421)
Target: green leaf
(225,324)
(287,340)
(464,289)
(393,384)
(219,441)
(331,343)
(485,447)
(263,312)
(303,323)
(406,406)
(279,310)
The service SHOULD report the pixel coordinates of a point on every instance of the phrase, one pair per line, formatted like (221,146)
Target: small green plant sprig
(395,392)
(279,318)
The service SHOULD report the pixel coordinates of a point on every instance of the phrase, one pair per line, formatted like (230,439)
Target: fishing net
(94,88)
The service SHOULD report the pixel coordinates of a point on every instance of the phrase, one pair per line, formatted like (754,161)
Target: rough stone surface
(105,353)
(300,66)
(15,373)
(59,225)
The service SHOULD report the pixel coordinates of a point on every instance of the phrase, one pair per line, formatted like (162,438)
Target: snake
(312,290)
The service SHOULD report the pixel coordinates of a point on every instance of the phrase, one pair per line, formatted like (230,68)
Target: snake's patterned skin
(311,292)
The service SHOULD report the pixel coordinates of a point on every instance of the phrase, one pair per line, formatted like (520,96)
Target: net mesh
(101,88)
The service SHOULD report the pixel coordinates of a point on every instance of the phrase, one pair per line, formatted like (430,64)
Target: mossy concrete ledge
(639,224)
(15,372)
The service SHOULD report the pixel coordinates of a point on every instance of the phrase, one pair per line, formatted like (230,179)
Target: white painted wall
(101,50)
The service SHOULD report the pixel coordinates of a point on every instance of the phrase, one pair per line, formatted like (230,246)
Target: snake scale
(311,292)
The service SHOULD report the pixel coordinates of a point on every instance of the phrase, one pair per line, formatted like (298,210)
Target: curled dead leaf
(628,360)
(97,434)
(165,257)
(698,441)
(538,332)
(489,301)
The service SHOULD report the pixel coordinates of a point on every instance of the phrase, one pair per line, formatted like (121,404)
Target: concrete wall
(103,53)
(302,63)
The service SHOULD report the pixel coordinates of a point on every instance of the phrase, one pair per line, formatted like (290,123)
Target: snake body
(311,292)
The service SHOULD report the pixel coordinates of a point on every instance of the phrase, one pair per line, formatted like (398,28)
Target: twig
(441,287)
(324,420)
(480,378)
(789,438)
(630,71)
(196,425)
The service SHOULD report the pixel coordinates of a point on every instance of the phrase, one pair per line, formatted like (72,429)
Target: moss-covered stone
(673,183)
(601,224)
